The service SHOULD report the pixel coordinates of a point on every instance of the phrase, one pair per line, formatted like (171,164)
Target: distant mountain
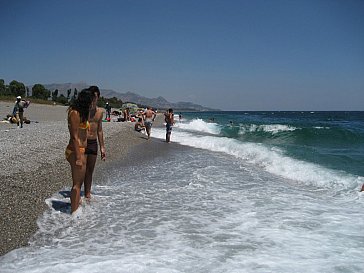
(159,102)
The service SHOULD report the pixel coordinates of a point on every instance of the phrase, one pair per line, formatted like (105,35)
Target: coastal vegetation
(63,93)
(38,93)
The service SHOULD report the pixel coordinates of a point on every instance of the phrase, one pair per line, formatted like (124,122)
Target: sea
(269,191)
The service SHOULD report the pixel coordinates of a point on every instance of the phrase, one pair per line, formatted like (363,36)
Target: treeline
(38,91)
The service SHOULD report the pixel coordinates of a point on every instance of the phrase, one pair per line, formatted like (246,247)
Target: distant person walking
(78,125)
(149,116)
(169,119)
(126,114)
(18,111)
(108,111)
(94,135)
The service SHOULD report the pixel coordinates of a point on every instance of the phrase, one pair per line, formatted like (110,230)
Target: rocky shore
(33,166)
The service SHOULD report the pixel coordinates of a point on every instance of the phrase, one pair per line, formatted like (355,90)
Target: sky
(225,54)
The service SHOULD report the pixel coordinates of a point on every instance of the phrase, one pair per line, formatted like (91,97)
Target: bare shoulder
(73,118)
(100,110)
(73,114)
(99,113)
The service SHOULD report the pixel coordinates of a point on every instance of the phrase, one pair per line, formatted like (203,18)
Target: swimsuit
(92,147)
(69,150)
(169,127)
(148,123)
(84,125)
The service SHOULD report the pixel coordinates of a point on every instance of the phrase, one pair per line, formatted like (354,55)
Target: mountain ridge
(158,102)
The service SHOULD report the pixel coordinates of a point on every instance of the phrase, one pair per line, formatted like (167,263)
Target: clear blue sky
(232,55)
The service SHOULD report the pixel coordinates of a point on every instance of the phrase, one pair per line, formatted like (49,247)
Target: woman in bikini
(78,114)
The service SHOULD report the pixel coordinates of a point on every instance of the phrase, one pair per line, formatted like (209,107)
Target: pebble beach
(33,166)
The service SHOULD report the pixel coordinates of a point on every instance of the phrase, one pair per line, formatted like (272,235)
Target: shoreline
(33,166)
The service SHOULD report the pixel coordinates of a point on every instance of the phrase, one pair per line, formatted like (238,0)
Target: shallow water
(223,206)
(199,211)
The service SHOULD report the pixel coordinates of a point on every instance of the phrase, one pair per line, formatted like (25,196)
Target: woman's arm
(100,136)
(74,123)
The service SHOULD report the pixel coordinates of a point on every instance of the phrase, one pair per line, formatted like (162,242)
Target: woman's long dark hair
(82,103)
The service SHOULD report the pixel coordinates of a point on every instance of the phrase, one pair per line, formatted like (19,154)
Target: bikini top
(84,125)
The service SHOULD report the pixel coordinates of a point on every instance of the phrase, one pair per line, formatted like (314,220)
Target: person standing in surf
(95,136)
(78,125)
(169,119)
(149,116)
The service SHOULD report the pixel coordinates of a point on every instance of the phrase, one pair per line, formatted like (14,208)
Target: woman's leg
(78,175)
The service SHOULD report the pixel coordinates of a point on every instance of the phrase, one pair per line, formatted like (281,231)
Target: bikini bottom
(91,148)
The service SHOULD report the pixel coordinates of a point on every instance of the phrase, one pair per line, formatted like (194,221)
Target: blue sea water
(233,192)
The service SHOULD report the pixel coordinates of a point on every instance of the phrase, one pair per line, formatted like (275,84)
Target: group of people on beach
(86,134)
(146,120)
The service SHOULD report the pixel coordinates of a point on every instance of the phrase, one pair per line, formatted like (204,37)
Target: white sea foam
(197,211)
(320,127)
(229,206)
(199,125)
(269,128)
(272,160)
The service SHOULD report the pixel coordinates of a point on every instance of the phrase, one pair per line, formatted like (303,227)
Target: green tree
(68,94)
(75,93)
(62,99)
(6,91)
(2,87)
(28,92)
(101,102)
(114,102)
(17,88)
(40,92)
(55,95)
